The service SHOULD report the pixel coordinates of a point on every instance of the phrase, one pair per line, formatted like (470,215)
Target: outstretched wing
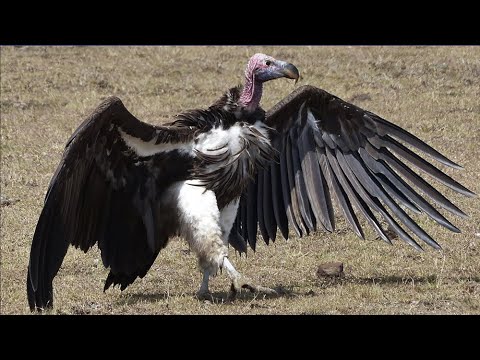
(106,191)
(331,148)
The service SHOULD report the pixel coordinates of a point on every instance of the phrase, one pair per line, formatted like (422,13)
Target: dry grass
(431,91)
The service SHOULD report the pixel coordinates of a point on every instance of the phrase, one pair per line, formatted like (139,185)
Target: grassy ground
(431,91)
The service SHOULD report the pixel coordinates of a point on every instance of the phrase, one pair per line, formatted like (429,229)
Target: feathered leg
(206,229)
(200,225)
(227,218)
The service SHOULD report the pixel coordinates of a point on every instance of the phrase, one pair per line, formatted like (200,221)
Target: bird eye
(268,62)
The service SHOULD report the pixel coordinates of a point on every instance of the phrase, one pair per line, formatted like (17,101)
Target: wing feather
(329,148)
(286,186)
(268,212)
(252,218)
(260,210)
(278,203)
(341,186)
(292,188)
(316,188)
(303,202)
(104,192)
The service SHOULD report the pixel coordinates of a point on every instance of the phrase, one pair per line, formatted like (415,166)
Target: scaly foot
(241,282)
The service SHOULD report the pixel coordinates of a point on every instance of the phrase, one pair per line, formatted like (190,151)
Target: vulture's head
(263,68)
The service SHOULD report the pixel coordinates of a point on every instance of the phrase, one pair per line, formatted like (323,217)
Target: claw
(241,282)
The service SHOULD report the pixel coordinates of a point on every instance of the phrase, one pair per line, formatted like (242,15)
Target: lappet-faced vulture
(215,176)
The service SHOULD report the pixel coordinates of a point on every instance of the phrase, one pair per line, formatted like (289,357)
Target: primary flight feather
(216,176)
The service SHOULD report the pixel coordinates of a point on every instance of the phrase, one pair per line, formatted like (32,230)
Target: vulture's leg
(206,229)
(227,218)
(200,225)
(204,293)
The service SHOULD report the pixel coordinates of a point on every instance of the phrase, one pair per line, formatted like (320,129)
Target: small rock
(331,269)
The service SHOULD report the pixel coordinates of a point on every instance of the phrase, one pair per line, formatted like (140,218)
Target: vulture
(221,175)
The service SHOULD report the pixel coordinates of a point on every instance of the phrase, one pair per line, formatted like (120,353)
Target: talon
(242,283)
(249,287)
(265,290)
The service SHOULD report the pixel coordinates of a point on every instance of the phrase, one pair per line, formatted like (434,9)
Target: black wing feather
(260,212)
(331,148)
(342,188)
(252,214)
(286,186)
(292,188)
(268,212)
(303,202)
(278,204)
(104,193)
(314,180)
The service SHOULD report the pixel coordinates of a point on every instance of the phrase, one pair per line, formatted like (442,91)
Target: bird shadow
(218,297)
(134,298)
(224,297)
(395,279)
(388,280)
(407,280)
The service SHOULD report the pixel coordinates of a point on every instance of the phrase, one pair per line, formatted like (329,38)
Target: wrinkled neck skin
(251,94)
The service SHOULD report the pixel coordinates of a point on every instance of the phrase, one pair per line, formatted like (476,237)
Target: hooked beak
(289,71)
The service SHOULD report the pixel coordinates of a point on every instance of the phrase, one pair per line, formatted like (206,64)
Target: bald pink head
(262,68)
(257,61)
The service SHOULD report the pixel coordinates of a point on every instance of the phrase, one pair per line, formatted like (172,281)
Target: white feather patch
(312,121)
(227,217)
(216,140)
(149,148)
(198,208)
(200,222)
(260,126)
